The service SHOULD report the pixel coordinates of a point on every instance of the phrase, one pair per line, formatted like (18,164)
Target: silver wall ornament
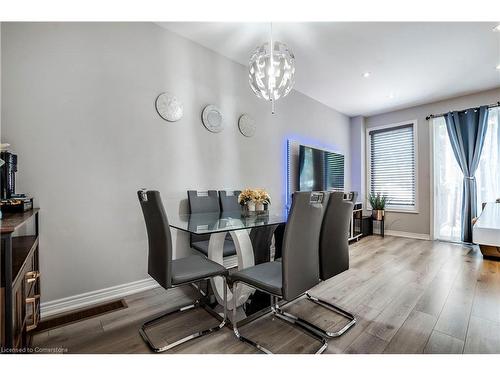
(212,119)
(246,124)
(169,107)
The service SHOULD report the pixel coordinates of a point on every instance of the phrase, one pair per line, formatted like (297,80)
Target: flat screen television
(320,169)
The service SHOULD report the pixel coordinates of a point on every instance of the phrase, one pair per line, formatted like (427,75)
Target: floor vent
(79,315)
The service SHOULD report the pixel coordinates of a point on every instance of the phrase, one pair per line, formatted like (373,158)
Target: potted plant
(378,203)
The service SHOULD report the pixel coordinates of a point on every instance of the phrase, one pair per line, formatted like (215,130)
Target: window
(448,178)
(488,171)
(447,185)
(392,165)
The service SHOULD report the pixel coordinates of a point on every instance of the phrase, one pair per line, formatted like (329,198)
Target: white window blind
(392,165)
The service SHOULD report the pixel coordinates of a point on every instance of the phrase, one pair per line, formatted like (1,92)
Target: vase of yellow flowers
(254,200)
(263,200)
(247,199)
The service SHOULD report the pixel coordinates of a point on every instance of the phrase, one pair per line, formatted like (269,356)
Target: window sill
(402,210)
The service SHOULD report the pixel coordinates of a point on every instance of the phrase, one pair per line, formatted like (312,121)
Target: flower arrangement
(262,196)
(254,198)
(247,195)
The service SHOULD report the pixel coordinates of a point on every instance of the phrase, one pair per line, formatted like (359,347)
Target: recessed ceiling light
(498,67)
(366,74)
(496,28)
(391,95)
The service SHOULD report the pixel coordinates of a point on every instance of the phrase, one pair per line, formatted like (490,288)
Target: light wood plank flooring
(409,296)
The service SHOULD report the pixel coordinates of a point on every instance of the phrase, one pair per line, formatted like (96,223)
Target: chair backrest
(261,239)
(353,196)
(301,242)
(159,237)
(334,240)
(201,203)
(229,200)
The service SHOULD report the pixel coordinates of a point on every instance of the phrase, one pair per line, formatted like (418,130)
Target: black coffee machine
(8,174)
(9,200)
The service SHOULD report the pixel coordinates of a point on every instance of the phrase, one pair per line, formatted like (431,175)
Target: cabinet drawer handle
(34,302)
(32,276)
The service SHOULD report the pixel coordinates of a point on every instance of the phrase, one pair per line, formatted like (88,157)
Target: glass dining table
(251,233)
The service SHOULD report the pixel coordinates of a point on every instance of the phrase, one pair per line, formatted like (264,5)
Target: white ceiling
(416,63)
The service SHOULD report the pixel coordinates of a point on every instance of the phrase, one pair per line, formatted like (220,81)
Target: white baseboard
(78,301)
(418,236)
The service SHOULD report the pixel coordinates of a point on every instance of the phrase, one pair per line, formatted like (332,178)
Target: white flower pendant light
(271,72)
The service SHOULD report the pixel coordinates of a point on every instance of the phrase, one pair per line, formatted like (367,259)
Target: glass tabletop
(214,222)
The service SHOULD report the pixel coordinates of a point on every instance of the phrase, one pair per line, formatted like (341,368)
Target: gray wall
(77,107)
(420,223)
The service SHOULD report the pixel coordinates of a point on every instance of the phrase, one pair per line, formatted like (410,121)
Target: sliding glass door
(447,185)
(448,177)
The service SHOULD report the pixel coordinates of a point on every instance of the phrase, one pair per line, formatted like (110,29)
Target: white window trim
(415,209)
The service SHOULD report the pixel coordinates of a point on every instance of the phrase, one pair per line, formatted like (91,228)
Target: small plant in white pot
(378,202)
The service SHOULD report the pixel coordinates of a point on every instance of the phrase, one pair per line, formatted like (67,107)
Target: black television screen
(320,170)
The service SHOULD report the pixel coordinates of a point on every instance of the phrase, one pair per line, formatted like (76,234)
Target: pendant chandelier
(271,72)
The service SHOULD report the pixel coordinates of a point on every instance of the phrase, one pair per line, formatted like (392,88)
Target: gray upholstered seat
(229,247)
(264,276)
(194,268)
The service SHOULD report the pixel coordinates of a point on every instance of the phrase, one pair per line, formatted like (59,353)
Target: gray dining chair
(207,202)
(333,258)
(334,251)
(173,273)
(229,200)
(298,270)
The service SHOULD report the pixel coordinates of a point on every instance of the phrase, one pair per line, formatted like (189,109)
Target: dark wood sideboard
(20,279)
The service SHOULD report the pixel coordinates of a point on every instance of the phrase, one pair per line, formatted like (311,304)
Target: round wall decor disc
(169,107)
(212,119)
(246,124)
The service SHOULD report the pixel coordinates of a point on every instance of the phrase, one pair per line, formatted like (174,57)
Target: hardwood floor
(409,296)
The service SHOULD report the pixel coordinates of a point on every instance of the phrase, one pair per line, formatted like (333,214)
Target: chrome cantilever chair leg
(291,319)
(235,326)
(164,348)
(278,313)
(308,325)
(337,310)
